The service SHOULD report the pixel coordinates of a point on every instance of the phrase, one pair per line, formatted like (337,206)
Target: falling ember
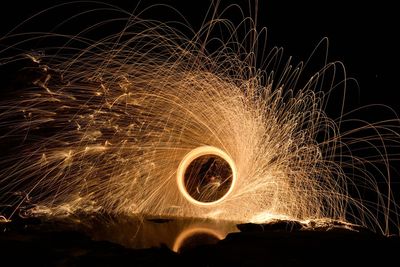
(206,176)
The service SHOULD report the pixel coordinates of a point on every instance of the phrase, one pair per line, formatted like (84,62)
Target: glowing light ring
(194,154)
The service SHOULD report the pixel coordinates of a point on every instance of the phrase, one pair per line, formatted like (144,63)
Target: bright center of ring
(206,175)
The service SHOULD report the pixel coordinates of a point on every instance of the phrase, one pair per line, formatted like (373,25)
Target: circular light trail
(206,176)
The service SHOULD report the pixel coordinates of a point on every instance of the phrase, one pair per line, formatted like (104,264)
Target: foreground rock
(33,243)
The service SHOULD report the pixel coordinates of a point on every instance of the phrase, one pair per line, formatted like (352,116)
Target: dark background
(362,36)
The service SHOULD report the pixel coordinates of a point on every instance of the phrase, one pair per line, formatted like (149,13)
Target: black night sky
(362,36)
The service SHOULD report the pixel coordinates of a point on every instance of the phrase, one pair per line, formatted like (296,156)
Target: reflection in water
(178,234)
(195,236)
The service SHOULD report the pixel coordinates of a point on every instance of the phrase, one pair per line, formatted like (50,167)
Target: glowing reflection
(192,237)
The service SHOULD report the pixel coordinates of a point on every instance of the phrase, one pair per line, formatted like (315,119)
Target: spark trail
(108,124)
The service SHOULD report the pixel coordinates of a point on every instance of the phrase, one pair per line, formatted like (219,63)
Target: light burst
(114,124)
